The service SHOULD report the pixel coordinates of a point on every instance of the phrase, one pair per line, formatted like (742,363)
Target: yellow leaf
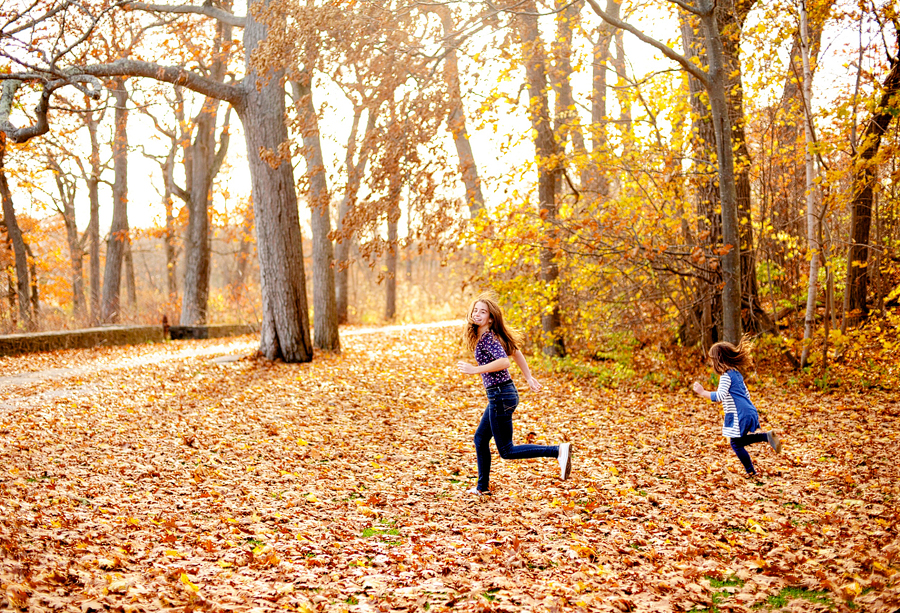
(224,564)
(173,554)
(312,498)
(187,581)
(301,442)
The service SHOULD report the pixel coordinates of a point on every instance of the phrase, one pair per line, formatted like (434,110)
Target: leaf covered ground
(149,478)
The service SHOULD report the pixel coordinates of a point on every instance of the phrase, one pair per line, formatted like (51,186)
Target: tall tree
(325,315)
(117,241)
(23,288)
(865,172)
(714,80)
(549,171)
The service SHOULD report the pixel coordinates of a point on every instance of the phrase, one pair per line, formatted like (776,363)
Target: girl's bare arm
(519,359)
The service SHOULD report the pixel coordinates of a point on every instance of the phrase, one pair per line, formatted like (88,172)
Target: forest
(630,174)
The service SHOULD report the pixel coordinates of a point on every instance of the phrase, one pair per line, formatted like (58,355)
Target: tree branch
(176,75)
(207,11)
(689,66)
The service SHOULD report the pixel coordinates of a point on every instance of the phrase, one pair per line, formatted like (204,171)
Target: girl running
(741,417)
(493,342)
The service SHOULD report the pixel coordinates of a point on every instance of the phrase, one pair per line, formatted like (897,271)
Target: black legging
(738,444)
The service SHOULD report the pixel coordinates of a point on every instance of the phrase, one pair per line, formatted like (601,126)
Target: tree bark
(865,169)
(456,121)
(67,193)
(118,231)
(204,162)
(393,248)
(23,291)
(593,179)
(93,185)
(549,172)
(812,221)
(285,330)
(325,317)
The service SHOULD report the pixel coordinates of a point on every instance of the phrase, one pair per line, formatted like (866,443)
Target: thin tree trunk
(456,121)
(67,192)
(325,317)
(812,229)
(130,288)
(118,231)
(93,184)
(355,172)
(23,292)
(394,191)
(549,172)
(593,178)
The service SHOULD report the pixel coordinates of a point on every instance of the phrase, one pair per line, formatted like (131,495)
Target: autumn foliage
(167,478)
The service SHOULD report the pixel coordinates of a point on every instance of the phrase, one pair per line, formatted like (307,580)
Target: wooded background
(659,171)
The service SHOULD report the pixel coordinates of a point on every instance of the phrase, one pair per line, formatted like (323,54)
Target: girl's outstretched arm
(498,364)
(533,383)
(698,389)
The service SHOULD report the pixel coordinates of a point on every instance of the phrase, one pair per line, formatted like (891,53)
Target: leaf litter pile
(191,484)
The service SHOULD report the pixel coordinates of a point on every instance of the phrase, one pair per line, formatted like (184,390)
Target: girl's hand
(698,389)
(534,384)
(466,368)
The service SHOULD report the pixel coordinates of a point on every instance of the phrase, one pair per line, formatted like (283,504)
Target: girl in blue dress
(493,343)
(741,417)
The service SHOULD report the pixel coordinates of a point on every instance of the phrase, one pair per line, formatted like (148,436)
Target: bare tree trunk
(549,172)
(325,318)
(593,178)
(355,172)
(23,292)
(243,257)
(708,302)
(205,162)
(169,236)
(863,189)
(130,288)
(456,121)
(394,190)
(566,121)
(118,231)
(285,323)
(67,192)
(93,183)
(812,222)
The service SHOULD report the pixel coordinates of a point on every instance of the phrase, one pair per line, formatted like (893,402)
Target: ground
(174,477)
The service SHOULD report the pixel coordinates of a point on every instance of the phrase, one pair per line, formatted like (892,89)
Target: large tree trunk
(325,317)
(865,169)
(118,231)
(285,315)
(718,101)
(204,165)
(812,221)
(23,292)
(549,172)
(456,121)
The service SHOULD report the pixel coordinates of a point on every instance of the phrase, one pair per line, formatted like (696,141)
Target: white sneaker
(774,441)
(565,460)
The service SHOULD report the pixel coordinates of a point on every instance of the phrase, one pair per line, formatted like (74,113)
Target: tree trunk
(390,304)
(566,122)
(706,192)
(456,121)
(130,288)
(118,231)
(812,222)
(204,165)
(285,316)
(169,236)
(549,172)
(67,193)
(593,179)
(863,189)
(325,319)
(355,172)
(731,265)
(23,292)
(93,185)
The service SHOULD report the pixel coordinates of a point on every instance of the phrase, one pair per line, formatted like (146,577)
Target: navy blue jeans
(497,423)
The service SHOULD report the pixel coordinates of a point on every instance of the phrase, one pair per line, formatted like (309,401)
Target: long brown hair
(509,337)
(725,355)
